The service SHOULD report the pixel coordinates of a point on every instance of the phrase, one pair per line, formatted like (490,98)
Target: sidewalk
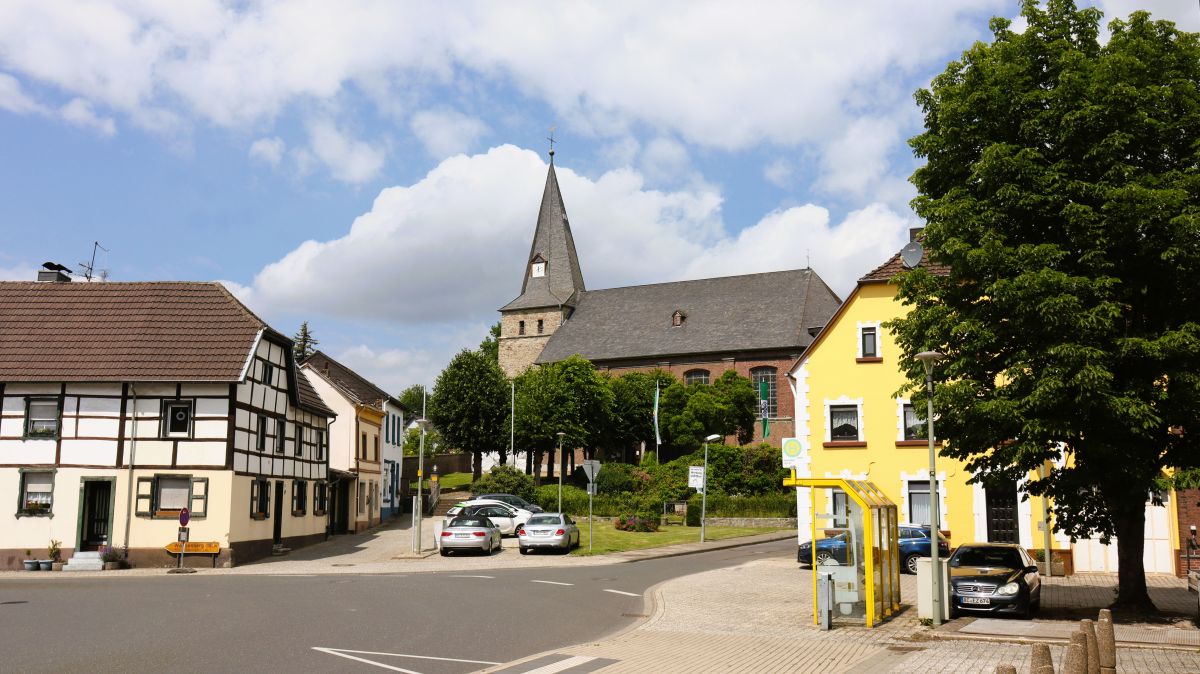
(757,617)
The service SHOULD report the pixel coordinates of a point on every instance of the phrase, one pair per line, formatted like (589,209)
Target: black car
(994,578)
(512,500)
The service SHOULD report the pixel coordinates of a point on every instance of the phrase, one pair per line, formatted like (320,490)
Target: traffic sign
(791,451)
(183,534)
(591,469)
(696,477)
(184,516)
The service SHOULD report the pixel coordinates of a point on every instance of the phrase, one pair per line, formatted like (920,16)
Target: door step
(279,549)
(84,561)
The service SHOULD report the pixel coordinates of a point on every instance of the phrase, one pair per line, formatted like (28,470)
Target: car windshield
(545,519)
(1005,558)
(470,522)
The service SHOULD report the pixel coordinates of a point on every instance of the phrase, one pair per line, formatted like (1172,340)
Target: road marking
(561,665)
(466,576)
(627,594)
(344,653)
(292,575)
(550,582)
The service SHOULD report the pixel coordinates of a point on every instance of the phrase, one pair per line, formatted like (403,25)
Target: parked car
(914,544)
(549,530)
(470,532)
(509,519)
(996,578)
(511,499)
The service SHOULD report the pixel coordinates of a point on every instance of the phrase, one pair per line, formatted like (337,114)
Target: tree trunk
(503,457)
(528,462)
(550,465)
(1129,521)
(476,465)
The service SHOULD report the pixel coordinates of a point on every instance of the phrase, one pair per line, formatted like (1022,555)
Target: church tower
(551,286)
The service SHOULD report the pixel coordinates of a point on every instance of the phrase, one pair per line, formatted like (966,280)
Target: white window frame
(905,478)
(878,338)
(845,400)
(56,431)
(22,491)
(166,418)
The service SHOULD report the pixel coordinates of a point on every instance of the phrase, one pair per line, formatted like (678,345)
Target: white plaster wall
(34,533)
(27,451)
(89,452)
(201,454)
(146,532)
(341,431)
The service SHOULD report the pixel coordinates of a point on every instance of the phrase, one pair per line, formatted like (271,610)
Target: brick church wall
(1187,503)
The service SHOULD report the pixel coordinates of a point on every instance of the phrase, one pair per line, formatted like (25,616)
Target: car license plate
(982,601)
(543,532)
(462,535)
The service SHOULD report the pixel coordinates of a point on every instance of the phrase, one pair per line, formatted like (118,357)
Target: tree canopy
(1062,191)
(568,397)
(469,405)
(304,343)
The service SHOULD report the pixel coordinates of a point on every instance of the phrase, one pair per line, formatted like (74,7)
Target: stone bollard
(1006,669)
(1105,614)
(1040,661)
(1075,660)
(1089,631)
(1106,642)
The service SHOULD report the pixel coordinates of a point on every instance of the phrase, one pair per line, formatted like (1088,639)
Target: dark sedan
(994,578)
(914,544)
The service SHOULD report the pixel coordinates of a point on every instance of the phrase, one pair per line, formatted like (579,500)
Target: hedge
(770,505)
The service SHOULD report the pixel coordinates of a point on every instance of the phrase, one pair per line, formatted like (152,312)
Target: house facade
(356,442)
(122,403)
(851,424)
(392,469)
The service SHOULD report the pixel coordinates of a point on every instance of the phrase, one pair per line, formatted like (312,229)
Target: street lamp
(560,435)
(418,509)
(930,359)
(704,494)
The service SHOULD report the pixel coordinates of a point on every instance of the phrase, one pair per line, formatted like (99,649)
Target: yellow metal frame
(871,500)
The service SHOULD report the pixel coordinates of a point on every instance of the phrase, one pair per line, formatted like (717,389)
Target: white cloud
(80,113)
(13,99)
(856,160)
(348,160)
(779,173)
(665,160)
(444,132)
(269,150)
(18,272)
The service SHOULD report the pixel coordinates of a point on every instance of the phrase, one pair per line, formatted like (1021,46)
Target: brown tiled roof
(160,331)
(348,381)
(309,399)
(888,270)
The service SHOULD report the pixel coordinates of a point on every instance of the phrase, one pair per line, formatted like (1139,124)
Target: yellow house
(851,424)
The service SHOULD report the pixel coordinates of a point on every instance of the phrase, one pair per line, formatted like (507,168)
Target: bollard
(1040,660)
(1106,643)
(1075,661)
(1089,631)
(1105,614)
(1006,669)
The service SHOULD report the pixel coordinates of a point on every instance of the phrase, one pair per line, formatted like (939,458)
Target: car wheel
(445,552)
(823,557)
(910,563)
(524,550)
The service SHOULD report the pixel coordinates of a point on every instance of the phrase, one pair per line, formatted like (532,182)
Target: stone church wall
(517,351)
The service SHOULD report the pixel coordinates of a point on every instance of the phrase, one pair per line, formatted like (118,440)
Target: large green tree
(414,401)
(631,418)
(469,406)
(490,346)
(688,414)
(568,397)
(1062,191)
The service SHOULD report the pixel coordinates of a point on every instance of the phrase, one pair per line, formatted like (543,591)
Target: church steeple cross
(551,139)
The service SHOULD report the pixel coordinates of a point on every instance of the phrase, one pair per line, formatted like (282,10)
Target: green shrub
(635,523)
(769,505)
(505,480)
(574,498)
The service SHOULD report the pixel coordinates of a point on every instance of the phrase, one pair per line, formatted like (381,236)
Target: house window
(520,327)
(869,346)
(41,418)
(678,318)
(918,502)
(280,435)
(695,377)
(299,497)
(171,494)
(268,374)
(362,451)
(841,510)
(300,432)
(361,487)
(177,418)
(321,445)
(843,422)
(36,497)
(262,433)
(320,498)
(376,456)
(915,428)
(541,326)
(766,374)
(163,496)
(260,499)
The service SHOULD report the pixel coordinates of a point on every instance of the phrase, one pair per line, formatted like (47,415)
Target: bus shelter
(857,541)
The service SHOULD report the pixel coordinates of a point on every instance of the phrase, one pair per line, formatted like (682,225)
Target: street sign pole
(704,494)
(591,492)
(591,468)
(184,516)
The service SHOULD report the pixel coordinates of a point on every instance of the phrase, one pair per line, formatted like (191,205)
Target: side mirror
(1031,569)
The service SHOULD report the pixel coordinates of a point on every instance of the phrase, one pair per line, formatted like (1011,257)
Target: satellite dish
(911,254)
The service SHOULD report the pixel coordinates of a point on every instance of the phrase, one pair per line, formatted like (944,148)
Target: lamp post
(418,509)
(560,435)
(704,494)
(930,359)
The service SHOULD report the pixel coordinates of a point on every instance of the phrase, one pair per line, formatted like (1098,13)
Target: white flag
(657,437)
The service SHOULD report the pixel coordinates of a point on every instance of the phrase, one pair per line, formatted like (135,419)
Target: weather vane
(551,139)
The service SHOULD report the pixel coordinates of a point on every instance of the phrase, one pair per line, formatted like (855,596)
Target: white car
(509,519)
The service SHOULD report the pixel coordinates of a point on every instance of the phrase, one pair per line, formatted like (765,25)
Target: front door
(278,511)
(97,497)
(1002,512)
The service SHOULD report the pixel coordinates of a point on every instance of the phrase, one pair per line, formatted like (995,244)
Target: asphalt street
(431,623)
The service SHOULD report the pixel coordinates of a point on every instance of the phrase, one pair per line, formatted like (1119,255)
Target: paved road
(204,623)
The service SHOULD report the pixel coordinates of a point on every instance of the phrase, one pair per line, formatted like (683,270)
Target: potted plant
(30,564)
(1056,563)
(55,550)
(111,557)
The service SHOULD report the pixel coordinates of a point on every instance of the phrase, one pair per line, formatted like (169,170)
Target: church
(755,324)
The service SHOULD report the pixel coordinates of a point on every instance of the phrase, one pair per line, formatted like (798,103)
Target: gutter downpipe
(129,502)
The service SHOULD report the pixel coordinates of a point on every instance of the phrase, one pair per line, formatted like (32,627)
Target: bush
(635,523)
(574,499)
(505,480)
(769,505)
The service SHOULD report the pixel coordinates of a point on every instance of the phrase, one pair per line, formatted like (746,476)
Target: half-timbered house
(123,403)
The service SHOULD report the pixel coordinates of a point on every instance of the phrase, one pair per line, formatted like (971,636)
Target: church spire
(552,273)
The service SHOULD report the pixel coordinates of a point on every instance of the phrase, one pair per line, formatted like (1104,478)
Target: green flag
(763,408)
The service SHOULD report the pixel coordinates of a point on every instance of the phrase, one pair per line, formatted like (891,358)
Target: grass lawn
(452,481)
(608,539)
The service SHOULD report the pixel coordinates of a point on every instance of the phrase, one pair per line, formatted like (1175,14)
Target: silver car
(470,532)
(549,530)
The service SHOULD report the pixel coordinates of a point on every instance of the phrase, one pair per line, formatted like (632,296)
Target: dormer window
(678,318)
(537,268)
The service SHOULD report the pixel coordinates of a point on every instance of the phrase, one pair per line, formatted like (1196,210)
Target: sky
(375,167)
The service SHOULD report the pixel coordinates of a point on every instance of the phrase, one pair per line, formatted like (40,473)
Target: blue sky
(375,167)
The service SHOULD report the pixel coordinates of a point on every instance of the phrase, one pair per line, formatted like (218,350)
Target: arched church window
(766,374)
(695,377)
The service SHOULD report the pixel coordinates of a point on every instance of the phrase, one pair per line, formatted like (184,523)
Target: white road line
(561,665)
(330,651)
(627,594)
(550,582)
(343,651)
(466,576)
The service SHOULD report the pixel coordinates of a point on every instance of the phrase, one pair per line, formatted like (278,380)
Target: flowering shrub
(111,554)
(635,523)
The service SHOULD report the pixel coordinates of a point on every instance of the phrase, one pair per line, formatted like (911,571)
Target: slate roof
(110,332)
(348,382)
(765,311)
(552,240)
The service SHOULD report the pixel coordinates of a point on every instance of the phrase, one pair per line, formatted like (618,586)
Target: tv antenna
(89,269)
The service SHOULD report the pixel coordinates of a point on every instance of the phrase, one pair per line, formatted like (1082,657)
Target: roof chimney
(52,272)
(913,232)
